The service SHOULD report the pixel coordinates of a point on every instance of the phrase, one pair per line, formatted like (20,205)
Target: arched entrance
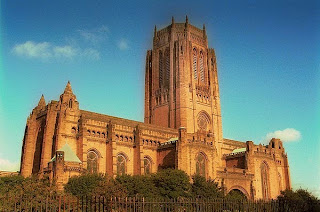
(237,193)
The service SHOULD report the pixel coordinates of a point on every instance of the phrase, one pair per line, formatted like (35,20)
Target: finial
(68,88)
(155,30)
(204,27)
(42,101)
(187,20)
(172,20)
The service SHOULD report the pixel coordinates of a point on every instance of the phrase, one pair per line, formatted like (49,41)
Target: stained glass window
(147,165)
(201,67)
(92,162)
(201,165)
(194,64)
(264,181)
(121,164)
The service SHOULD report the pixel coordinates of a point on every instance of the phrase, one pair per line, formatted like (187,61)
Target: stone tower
(181,81)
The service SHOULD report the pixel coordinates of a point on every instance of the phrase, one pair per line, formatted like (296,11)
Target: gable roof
(69,155)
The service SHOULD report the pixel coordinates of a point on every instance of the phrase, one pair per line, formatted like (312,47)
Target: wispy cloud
(6,165)
(123,44)
(286,135)
(47,51)
(95,35)
(33,50)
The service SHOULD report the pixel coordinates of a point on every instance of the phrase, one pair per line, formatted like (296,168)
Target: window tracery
(92,162)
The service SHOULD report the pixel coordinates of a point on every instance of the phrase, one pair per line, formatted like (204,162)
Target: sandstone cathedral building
(182,128)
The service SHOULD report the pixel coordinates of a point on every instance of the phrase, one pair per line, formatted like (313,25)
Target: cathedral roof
(68,88)
(69,155)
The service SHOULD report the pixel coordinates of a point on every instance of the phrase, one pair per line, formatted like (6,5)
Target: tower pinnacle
(42,101)
(68,88)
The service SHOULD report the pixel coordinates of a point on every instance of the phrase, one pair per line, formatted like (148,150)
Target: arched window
(280,183)
(194,63)
(92,162)
(167,58)
(201,165)
(201,67)
(121,164)
(147,165)
(160,69)
(70,103)
(265,180)
(73,130)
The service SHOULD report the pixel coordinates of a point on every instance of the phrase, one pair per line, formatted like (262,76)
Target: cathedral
(182,127)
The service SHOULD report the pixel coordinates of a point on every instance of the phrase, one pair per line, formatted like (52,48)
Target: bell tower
(181,81)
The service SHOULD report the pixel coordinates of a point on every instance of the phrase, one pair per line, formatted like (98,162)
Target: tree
(299,200)
(138,185)
(93,185)
(172,183)
(205,188)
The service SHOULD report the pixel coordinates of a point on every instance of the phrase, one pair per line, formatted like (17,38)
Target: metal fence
(131,204)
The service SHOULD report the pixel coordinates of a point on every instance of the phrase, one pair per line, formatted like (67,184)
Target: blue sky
(268,56)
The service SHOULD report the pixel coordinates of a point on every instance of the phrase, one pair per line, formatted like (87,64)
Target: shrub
(205,188)
(299,200)
(93,185)
(172,183)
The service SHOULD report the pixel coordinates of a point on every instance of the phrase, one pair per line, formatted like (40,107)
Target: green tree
(205,188)
(299,200)
(93,185)
(138,185)
(172,183)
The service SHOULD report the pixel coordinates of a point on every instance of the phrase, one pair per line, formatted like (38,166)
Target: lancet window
(92,162)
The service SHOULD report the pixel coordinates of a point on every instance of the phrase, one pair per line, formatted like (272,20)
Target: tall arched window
(194,63)
(167,58)
(201,67)
(265,180)
(201,165)
(280,181)
(121,164)
(70,103)
(147,165)
(160,69)
(92,162)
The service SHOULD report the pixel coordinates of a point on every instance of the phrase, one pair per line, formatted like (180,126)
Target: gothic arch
(93,156)
(203,120)
(122,162)
(195,63)
(265,184)
(201,164)
(147,163)
(240,188)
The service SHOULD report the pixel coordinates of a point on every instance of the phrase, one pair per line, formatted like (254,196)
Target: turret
(68,99)
(42,102)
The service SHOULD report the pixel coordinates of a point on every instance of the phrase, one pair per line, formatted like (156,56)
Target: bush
(299,200)
(93,185)
(205,188)
(172,183)
(138,185)
(29,188)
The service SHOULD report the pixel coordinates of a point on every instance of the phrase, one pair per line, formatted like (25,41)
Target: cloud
(95,35)
(64,51)
(46,51)
(123,44)
(286,135)
(33,50)
(91,53)
(6,165)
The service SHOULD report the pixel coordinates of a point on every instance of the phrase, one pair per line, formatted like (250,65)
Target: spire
(155,30)
(68,88)
(204,31)
(204,27)
(187,20)
(172,20)
(42,101)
